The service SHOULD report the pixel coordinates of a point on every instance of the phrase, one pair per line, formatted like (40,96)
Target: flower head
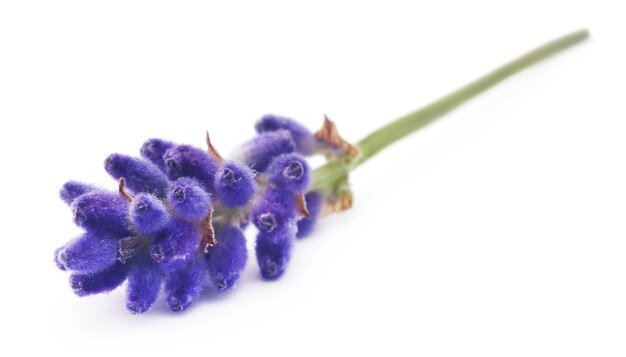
(177,219)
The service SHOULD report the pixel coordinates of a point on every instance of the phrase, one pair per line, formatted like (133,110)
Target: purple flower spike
(273,252)
(259,152)
(89,253)
(71,190)
(189,161)
(314,201)
(148,214)
(144,283)
(103,212)
(274,211)
(234,185)
(183,286)
(227,259)
(175,244)
(101,282)
(153,151)
(302,137)
(188,200)
(140,175)
(289,172)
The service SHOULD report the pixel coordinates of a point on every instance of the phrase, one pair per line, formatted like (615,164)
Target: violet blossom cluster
(176,222)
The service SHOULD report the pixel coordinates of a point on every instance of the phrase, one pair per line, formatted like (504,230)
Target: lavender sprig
(176,223)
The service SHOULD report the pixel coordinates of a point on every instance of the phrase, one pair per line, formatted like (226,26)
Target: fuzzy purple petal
(189,161)
(100,282)
(302,137)
(102,212)
(289,172)
(144,283)
(234,185)
(259,152)
(275,210)
(188,200)
(92,252)
(227,259)
(140,175)
(153,151)
(183,286)
(273,251)
(148,214)
(71,190)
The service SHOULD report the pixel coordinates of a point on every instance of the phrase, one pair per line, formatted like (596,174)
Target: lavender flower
(176,221)
(234,185)
(140,175)
(188,200)
(153,150)
(302,137)
(71,190)
(90,253)
(188,161)
(259,152)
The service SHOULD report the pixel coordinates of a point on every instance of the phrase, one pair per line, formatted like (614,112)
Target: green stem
(327,176)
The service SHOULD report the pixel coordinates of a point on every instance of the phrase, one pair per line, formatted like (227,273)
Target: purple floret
(227,259)
(275,210)
(148,214)
(71,190)
(140,175)
(92,252)
(189,161)
(234,185)
(102,212)
(188,200)
(154,149)
(100,282)
(183,286)
(144,284)
(302,137)
(273,251)
(314,201)
(289,172)
(175,245)
(259,152)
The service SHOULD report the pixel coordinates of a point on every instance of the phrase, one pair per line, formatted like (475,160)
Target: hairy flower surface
(176,223)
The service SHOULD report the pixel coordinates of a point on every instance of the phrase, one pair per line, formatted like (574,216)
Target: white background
(497,231)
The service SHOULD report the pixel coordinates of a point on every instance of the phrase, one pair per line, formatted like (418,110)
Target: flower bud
(302,137)
(100,282)
(148,214)
(91,252)
(144,283)
(188,200)
(227,259)
(273,251)
(71,190)
(289,172)
(234,185)
(189,161)
(259,152)
(153,151)
(141,175)
(103,212)
(182,286)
